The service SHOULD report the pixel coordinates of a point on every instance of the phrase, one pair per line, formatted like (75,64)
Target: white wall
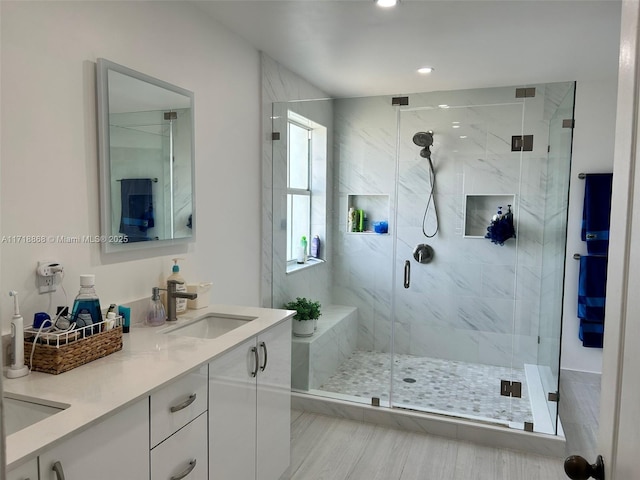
(593,141)
(49,168)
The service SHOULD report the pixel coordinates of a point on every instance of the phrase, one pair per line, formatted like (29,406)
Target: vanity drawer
(177,404)
(183,455)
(28,471)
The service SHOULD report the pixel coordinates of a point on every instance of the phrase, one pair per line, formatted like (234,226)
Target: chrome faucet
(172,295)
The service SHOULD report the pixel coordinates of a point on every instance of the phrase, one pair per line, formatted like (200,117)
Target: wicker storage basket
(61,353)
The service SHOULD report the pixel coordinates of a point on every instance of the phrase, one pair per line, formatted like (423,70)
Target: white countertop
(148,361)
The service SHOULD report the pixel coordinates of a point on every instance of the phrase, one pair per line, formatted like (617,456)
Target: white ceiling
(354,48)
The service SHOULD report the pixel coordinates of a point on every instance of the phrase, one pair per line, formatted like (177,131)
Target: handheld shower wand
(17,368)
(425,140)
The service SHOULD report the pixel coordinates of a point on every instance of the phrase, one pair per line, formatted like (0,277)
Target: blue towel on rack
(596,212)
(137,208)
(592,288)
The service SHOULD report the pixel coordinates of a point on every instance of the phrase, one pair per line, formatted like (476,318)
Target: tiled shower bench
(314,359)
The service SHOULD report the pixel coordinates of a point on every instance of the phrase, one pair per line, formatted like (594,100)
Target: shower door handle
(407,273)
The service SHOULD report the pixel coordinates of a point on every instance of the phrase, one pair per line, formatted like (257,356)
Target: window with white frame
(306,149)
(298,186)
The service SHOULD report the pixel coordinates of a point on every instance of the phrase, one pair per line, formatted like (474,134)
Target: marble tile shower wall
(281,85)
(476,301)
(311,282)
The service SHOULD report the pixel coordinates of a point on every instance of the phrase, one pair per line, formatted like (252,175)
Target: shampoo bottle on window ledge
(302,250)
(315,247)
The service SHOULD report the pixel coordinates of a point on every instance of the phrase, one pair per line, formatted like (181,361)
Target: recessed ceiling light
(443,106)
(463,136)
(455,126)
(386,3)
(425,70)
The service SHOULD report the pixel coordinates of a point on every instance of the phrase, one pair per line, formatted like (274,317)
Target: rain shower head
(425,140)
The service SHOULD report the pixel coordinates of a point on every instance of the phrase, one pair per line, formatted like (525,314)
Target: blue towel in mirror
(596,212)
(592,288)
(137,208)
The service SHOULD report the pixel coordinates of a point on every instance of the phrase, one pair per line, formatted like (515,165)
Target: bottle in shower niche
(302,251)
(86,307)
(498,215)
(351,221)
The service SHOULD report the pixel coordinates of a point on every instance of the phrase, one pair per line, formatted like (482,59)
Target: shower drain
(409,380)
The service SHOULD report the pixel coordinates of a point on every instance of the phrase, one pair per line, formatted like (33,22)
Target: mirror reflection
(146,159)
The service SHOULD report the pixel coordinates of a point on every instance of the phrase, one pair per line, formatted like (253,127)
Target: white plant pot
(303,328)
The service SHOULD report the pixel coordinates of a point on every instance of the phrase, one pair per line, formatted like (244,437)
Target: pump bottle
(181,303)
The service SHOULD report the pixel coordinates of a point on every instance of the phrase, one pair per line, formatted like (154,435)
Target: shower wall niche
(375,207)
(479,208)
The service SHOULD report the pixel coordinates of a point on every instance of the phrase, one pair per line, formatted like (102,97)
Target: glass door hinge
(510,389)
(522,143)
(526,92)
(402,101)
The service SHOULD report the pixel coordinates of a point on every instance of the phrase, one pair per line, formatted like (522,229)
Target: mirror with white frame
(146,156)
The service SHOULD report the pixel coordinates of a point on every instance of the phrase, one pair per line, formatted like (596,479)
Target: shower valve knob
(577,468)
(423,253)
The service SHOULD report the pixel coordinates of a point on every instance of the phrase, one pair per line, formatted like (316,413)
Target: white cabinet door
(274,402)
(232,414)
(249,408)
(117,448)
(28,471)
(183,454)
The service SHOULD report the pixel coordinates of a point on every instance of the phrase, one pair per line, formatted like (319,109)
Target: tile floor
(452,387)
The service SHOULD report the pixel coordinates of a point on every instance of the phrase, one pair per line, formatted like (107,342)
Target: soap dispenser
(156,315)
(181,303)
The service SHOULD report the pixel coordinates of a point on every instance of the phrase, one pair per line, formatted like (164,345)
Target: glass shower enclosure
(447,321)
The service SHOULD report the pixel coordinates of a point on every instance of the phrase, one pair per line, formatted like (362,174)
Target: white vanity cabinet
(179,429)
(249,408)
(117,447)
(28,471)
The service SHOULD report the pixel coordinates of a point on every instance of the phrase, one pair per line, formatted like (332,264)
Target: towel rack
(576,256)
(582,175)
(154,180)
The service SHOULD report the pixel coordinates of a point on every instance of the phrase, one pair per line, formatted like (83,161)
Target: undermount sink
(20,412)
(209,326)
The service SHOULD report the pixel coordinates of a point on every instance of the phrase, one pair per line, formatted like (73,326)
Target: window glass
(298,224)
(298,156)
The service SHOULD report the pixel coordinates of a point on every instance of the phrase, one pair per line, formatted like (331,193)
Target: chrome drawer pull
(187,471)
(264,347)
(184,404)
(57,467)
(256,357)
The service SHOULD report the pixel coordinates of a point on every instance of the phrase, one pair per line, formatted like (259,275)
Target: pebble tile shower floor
(455,387)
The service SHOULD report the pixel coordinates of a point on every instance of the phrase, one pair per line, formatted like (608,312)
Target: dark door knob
(577,468)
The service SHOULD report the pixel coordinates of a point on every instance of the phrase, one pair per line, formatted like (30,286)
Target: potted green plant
(308,312)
